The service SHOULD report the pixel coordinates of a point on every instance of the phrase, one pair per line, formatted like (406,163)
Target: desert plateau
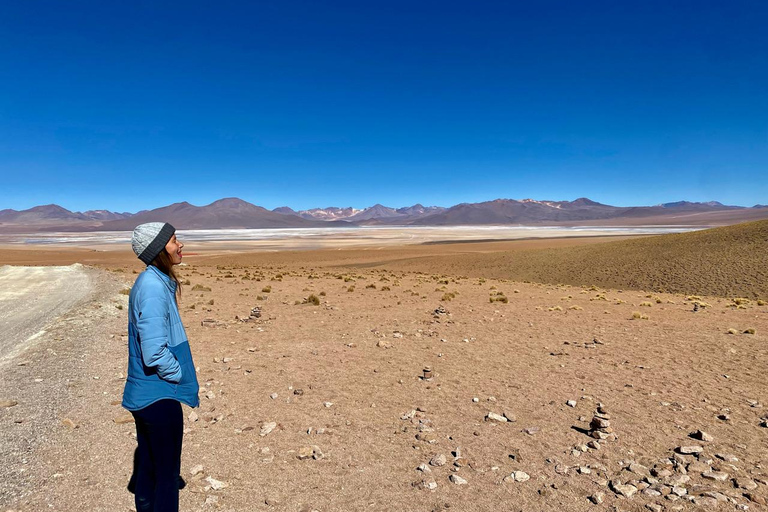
(557,374)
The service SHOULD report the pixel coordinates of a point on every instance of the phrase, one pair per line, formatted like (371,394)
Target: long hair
(164,264)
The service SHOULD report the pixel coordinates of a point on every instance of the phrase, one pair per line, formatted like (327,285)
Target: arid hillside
(730,261)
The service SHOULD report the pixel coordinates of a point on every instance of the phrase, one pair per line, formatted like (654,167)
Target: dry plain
(335,360)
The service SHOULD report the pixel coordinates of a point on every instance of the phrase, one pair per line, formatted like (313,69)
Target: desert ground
(430,377)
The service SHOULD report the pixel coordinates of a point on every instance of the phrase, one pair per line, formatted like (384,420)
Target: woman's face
(173,248)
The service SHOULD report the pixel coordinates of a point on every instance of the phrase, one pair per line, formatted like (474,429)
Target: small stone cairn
(600,426)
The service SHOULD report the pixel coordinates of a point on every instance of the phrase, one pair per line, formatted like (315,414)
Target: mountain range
(231,213)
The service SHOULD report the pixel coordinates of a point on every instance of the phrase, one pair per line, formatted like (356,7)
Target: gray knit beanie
(149,239)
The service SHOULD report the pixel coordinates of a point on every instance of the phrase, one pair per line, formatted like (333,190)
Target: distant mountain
(229,213)
(236,213)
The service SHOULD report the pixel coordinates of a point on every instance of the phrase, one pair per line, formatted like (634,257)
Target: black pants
(157,463)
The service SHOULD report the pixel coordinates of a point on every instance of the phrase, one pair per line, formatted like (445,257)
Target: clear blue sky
(126,105)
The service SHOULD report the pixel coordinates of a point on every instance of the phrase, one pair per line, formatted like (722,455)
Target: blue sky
(133,105)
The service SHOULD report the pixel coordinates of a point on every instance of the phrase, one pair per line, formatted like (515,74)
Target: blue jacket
(159,360)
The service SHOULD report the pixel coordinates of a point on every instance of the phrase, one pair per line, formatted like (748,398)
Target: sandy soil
(348,370)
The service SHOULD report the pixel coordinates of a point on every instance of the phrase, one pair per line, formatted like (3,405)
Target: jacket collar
(170,283)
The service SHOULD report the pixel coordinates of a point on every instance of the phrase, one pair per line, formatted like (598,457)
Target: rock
(625,490)
(718,476)
(745,483)
(510,416)
(755,498)
(520,476)
(305,452)
(383,343)
(650,491)
(584,470)
(124,418)
(653,507)
(456,479)
(531,430)
(273,396)
(597,498)
(598,422)
(298,392)
(196,469)
(492,416)
(317,453)
(594,445)
(193,417)
(438,460)
(216,485)
(427,484)
(697,467)
(661,472)
(639,469)
(702,436)
(327,404)
(571,403)
(8,403)
(727,457)
(679,491)
(69,424)
(690,450)
(211,500)
(475,399)
(266,428)
(210,395)
(424,468)
(704,501)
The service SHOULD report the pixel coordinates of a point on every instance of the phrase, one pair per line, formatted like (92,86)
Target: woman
(161,374)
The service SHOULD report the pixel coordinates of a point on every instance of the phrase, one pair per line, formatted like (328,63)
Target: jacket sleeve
(153,332)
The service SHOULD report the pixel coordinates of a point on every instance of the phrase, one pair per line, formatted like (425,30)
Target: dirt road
(31,297)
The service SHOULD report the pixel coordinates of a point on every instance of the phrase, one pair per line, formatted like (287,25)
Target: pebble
(625,490)
(216,485)
(745,483)
(266,428)
(597,498)
(196,469)
(719,476)
(273,396)
(424,468)
(456,479)
(532,430)
(193,417)
(702,436)
(690,450)
(438,460)
(571,403)
(521,476)
(492,416)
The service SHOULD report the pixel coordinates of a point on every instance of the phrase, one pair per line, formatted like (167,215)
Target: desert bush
(351,288)
(645,304)
(761,302)
(749,331)
(575,308)
(322,294)
(261,297)
(447,297)
(555,308)
(200,288)
(312,299)
(741,301)
(385,288)
(636,315)
(125,291)
(266,289)
(371,286)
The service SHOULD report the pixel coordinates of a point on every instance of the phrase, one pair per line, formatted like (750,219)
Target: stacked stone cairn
(600,426)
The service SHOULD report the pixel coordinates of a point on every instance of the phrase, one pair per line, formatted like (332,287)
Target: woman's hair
(164,263)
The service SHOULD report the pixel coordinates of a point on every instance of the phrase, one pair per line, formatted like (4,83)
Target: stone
(571,403)
(510,416)
(124,418)
(492,416)
(8,403)
(654,507)
(456,479)
(584,470)
(727,457)
(626,490)
(520,476)
(719,476)
(193,417)
(661,472)
(424,468)
(745,483)
(305,452)
(597,498)
(598,423)
(650,491)
(702,436)
(266,428)
(438,460)
(639,469)
(317,453)
(755,498)
(690,450)
(679,491)
(531,430)
(216,485)
(594,445)
(697,467)
(196,470)
(426,484)
(69,424)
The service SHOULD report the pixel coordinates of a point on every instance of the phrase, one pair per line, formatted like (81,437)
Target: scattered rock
(438,460)
(266,428)
(689,450)
(702,436)
(196,470)
(193,417)
(571,403)
(719,476)
(520,476)
(597,498)
(124,418)
(531,430)
(626,490)
(216,485)
(456,479)
(492,416)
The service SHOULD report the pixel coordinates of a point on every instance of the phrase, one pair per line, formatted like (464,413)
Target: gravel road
(31,297)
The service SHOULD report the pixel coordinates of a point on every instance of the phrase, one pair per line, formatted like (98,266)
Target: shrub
(266,289)
(749,331)
(200,288)
(645,304)
(322,294)
(125,291)
(210,302)
(351,288)
(312,299)
(555,308)
(371,286)
(636,315)
(447,297)
(385,288)
(575,308)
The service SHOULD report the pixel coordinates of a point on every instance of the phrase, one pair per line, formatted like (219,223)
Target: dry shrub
(732,331)
(749,331)
(125,291)
(645,304)
(636,315)
(201,288)
(312,299)
(266,289)
(575,308)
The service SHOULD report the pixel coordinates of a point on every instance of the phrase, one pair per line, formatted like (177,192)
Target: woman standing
(161,374)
